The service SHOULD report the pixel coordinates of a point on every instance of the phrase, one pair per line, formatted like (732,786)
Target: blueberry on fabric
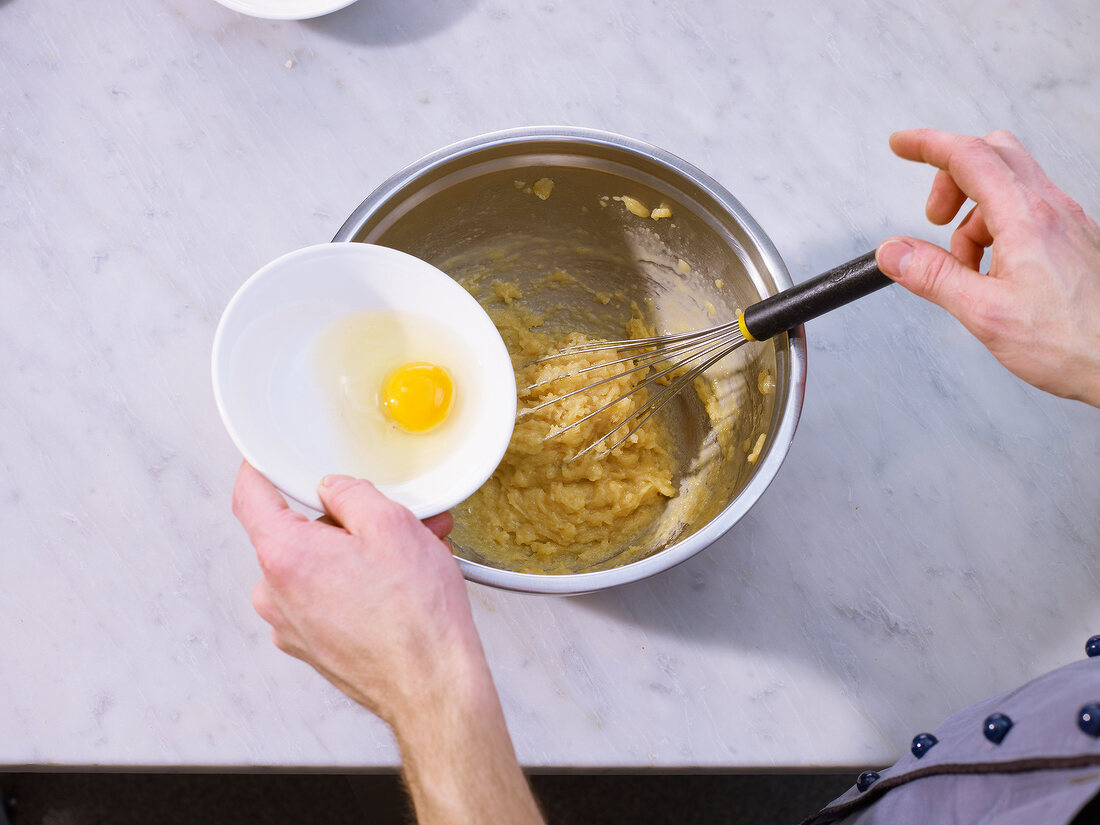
(1088,719)
(996,727)
(1092,647)
(865,780)
(922,743)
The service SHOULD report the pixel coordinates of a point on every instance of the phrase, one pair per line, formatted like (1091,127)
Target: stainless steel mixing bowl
(466,207)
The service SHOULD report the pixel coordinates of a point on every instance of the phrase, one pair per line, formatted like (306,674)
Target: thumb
(353,503)
(440,524)
(934,274)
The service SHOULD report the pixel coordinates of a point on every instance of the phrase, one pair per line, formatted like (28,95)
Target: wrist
(452,684)
(459,762)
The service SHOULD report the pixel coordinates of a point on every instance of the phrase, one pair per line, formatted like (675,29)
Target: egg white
(354,355)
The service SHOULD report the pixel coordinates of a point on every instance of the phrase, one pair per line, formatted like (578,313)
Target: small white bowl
(285,9)
(273,404)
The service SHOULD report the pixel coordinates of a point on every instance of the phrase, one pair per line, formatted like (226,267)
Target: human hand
(1038,307)
(373,599)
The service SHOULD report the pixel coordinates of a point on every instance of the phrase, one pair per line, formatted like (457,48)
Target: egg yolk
(418,396)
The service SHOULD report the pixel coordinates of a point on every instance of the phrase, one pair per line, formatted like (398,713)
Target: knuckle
(391,517)
(347,493)
(1044,216)
(974,153)
(990,320)
(274,563)
(934,270)
(1002,137)
(278,539)
(974,145)
(1076,213)
(966,152)
(261,601)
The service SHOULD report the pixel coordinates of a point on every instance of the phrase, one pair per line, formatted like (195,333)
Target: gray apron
(1030,756)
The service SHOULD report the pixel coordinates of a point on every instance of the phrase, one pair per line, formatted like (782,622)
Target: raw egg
(418,396)
(401,387)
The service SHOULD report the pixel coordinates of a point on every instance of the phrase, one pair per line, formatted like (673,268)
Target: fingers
(355,504)
(440,524)
(970,240)
(934,274)
(976,170)
(1020,161)
(257,504)
(944,200)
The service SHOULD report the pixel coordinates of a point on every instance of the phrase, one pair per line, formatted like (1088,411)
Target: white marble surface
(932,538)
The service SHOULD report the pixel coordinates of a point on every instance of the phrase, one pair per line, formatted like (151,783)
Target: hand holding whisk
(681,358)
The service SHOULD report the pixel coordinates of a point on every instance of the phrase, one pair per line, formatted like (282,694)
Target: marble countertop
(931,539)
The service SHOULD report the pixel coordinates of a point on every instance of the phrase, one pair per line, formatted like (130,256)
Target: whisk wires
(703,348)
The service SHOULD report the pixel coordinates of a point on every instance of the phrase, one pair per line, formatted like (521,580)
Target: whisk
(667,355)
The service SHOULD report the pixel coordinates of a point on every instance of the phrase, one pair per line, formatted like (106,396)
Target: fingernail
(893,258)
(329,481)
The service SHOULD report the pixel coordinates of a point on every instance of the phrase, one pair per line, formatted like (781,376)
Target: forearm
(459,763)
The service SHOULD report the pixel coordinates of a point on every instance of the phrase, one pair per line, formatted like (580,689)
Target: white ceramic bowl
(285,9)
(271,398)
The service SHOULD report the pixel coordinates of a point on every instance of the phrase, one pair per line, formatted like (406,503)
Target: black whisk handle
(809,299)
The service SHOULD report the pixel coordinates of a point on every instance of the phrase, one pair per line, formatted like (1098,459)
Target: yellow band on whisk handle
(744,329)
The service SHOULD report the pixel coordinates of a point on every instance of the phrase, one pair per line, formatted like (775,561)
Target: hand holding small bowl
(359,360)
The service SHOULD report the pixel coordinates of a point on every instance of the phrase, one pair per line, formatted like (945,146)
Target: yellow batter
(541,513)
